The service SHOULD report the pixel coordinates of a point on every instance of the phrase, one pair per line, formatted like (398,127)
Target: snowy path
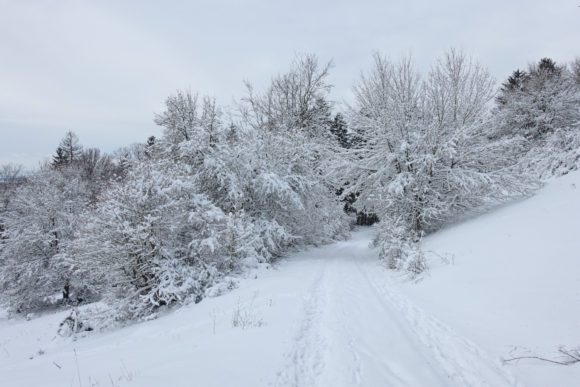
(357,330)
(326,317)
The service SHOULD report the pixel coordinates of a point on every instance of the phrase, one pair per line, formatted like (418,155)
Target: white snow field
(514,285)
(333,316)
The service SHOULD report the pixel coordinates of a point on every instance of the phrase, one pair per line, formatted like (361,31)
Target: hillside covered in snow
(501,285)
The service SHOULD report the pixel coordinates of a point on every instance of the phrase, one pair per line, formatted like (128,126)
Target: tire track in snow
(463,361)
(305,359)
(357,329)
(343,332)
(375,349)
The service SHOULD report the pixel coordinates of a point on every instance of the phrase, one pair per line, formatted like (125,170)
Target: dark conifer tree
(59,159)
(339,129)
(535,103)
(71,147)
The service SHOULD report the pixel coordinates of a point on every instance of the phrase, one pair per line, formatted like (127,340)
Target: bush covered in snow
(556,155)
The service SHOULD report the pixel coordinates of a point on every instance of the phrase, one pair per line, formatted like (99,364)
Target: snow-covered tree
(96,169)
(286,186)
(558,154)
(542,105)
(295,100)
(180,117)
(268,162)
(152,241)
(69,150)
(10,178)
(39,225)
(425,155)
(156,240)
(191,127)
(575,68)
(535,103)
(209,197)
(340,130)
(291,147)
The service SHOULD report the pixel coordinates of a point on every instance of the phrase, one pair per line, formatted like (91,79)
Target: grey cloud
(103,68)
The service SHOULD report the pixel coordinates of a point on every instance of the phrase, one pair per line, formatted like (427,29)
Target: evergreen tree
(535,103)
(339,129)
(59,159)
(71,149)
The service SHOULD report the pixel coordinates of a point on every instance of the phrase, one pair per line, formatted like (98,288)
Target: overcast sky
(102,68)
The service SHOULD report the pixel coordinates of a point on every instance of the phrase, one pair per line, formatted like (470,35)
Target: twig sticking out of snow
(567,357)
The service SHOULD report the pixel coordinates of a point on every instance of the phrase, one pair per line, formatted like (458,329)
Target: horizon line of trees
(159,223)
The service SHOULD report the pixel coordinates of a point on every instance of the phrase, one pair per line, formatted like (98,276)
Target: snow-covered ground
(513,284)
(332,316)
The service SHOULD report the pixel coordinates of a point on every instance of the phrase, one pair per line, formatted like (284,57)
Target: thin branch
(536,358)
(569,357)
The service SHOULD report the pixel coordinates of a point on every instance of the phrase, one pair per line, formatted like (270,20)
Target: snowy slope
(515,280)
(327,317)
(332,316)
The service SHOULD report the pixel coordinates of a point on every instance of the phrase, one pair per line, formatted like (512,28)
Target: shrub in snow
(153,241)
(400,249)
(73,324)
(246,316)
(557,155)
